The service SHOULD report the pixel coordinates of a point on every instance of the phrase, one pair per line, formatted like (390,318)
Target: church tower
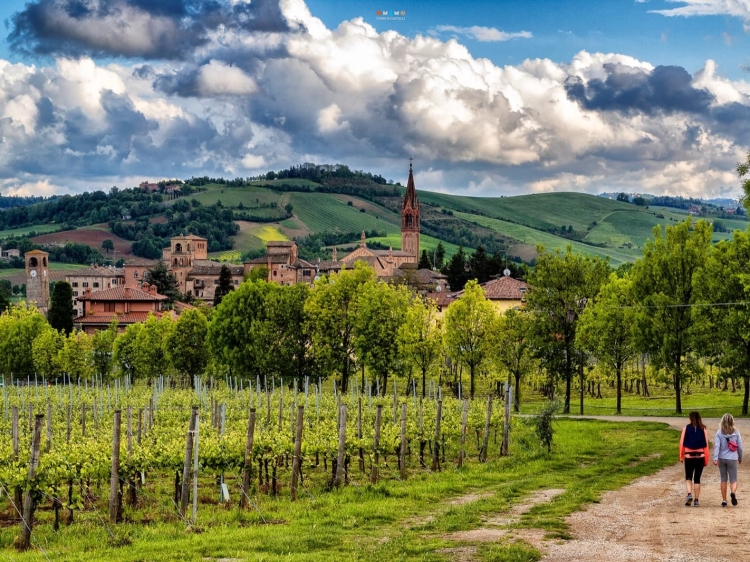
(37,279)
(410,220)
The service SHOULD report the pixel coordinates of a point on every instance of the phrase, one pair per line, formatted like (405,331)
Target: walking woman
(727,455)
(694,453)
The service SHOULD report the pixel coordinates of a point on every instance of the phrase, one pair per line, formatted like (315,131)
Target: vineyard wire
(31,533)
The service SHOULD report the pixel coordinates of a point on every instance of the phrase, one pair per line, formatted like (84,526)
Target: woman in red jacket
(694,453)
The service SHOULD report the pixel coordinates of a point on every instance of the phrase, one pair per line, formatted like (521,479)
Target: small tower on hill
(37,279)
(410,219)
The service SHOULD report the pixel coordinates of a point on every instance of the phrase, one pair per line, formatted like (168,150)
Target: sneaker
(689,499)
(723,504)
(734,498)
(696,503)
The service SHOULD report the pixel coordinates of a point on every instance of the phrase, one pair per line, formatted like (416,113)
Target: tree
(468,329)
(19,327)
(424,261)
(60,315)
(290,333)
(151,357)
(165,281)
(456,270)
(187,347)
(479,265)
(46,349)
(332,313)
(512,343)
(4,303)
(606,328)
(77,356)
(421,337)
(6,289)
(124,351)
(723,332)
(663,284)
(561,285)
(103,344)
(258,273)
(439,256)
(108,245)
(623,197)
(381,312)
(224,286)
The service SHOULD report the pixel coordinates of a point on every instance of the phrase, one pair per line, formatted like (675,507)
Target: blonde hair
(727,424)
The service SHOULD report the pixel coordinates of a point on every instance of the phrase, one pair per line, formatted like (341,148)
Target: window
(109,307)
(85,284)
(216,281)
(75,293)
(236,282)
(275,273)
(96,285)
(75,283)
(305,273)
(135,274)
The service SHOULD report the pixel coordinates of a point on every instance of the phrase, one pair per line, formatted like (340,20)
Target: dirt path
(648,520)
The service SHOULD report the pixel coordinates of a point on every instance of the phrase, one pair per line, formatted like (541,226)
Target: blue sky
(489,97)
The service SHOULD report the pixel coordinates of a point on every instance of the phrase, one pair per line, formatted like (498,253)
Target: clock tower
(37,279)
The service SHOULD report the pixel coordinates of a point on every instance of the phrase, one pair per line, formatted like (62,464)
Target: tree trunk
(745,381)
(568,377)
(677,381)
(471,383)
(424,381)
(517,394)
(619,388)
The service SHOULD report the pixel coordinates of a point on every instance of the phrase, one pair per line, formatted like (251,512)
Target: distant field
(93,236)
(57,272)
(40,229)
(233,196)
(425,243)
(254,236)
(533,237)
(324,212)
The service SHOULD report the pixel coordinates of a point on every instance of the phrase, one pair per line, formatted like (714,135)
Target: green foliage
(456,270)
(421,337)
(19,326)
(663,284)
(513,352)
(187,347)
(258,273)
(469,324)
(60,315)
(103,349)
(543,423)
(224,286)
(165,281)
(439,256)
(77,356)
(108,245)
(46,349)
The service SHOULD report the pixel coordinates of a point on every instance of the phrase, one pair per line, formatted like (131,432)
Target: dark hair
(696,421)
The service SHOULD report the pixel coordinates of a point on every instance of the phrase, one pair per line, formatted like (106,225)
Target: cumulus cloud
(245,100)
(688,8)
(484,34)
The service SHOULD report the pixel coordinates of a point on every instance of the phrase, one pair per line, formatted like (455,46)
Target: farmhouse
(94,278)
(126,305)
(9,254)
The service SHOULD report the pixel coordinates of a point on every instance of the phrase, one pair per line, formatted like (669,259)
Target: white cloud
(689,8)
(217,78)
(484,34)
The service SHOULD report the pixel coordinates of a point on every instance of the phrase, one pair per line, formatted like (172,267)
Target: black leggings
(694,469)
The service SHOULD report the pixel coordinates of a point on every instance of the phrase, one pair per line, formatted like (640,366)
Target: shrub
(543,423)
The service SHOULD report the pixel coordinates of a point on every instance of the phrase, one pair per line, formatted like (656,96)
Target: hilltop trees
(663,285)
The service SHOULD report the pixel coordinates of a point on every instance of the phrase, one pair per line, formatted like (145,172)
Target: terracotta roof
(95,272)
(32,252)
(329,266)
(302,264)
(141,261)
(421,276)
(129,318)
(118,294)
(281,244)
(394,253)
(278,258)
(207,267)
(443,298)
(504,288)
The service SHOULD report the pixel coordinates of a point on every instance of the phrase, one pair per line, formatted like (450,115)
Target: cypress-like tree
(424,261)
(439,256)
(60,314)
(224,286)
(165,281)
(456,270)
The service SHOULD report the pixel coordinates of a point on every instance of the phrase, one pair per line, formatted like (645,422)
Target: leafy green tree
(469,323)
(77,356)
(224,286)
(4,303)
(289,331)
(513,352)
(108,245)
(561,285)
(103,344)
(421,337)
(187,347)
(165,281)
(6,289)
(663,282)
(381,312)
(439,256)
(424,261)
(124,351)
(258,273)
(46,349)
(456,270)
(723,332)
(606,328)
(60,315)
(19,327)
(151,358)
(332,313)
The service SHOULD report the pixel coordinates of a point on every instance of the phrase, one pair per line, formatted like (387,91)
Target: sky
(489,98)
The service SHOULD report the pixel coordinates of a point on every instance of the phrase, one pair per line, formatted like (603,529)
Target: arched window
(135,275)
(175,261)
(44,262)
(188,247)
(178,248)
(182,261)
(33,262)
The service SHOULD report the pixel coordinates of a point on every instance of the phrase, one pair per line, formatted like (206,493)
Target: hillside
(335,210)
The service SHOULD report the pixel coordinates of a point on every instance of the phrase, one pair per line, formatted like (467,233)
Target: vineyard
(230,439)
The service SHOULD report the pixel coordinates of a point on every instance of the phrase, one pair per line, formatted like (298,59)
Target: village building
(126,305)
(283,264)
(136,269)
(203,278)
(95,278)
(504,293)
(9,254)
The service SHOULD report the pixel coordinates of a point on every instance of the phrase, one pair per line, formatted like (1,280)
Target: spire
(335,254)
(411,191)
(362,240)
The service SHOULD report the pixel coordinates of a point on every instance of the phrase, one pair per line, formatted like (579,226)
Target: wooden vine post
(17,494)
(506,422)
(29,503)
(340,472)
(436,444)
(464,419)
(248,462)
(485,441)
(185,491)
(376,444)
(402,451)
(49,427)
(297,460)
(114,479)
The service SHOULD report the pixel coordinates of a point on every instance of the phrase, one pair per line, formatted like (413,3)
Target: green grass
(54,266)
(533,237)
(232,196)
(292,181)
(425,243)
(40,229)
(394,520)
(324,212)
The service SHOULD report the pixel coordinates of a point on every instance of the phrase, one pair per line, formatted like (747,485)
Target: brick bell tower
(410,220)
(37,279)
